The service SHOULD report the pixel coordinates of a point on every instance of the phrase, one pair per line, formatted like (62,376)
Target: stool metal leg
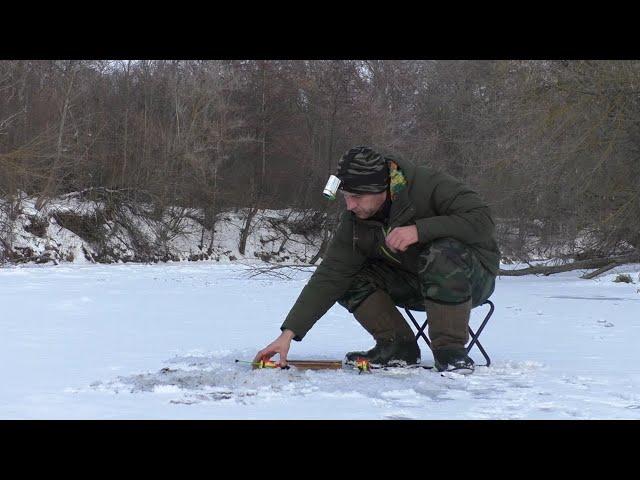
(474,336)
(419,328)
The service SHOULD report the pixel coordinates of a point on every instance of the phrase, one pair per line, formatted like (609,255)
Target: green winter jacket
(439,206)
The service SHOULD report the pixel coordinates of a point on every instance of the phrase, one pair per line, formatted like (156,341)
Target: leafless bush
(89,227)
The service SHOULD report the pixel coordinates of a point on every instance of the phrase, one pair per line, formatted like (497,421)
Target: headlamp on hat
(360,170)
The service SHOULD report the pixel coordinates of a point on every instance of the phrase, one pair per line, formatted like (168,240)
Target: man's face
(364,205)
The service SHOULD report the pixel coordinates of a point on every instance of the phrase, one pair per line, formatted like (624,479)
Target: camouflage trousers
(448,272)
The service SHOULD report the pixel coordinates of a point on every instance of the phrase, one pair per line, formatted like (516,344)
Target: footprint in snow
(605,323)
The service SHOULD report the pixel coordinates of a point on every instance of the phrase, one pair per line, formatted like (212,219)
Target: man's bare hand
(402,238)
(280,345)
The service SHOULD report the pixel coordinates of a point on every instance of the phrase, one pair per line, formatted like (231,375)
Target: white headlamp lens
(331,188)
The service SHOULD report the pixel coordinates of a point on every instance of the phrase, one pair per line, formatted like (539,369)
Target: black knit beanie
(363,170)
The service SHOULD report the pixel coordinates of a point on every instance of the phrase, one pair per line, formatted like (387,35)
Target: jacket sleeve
(329,282)
(460,213)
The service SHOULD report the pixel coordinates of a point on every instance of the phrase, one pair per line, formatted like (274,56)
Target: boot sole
(459,371)
(404,366)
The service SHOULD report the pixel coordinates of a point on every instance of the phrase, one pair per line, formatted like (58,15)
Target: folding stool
(474,336)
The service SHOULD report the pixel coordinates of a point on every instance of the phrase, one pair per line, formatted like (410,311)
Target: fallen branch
(603,264)
(600,271)
(273,270)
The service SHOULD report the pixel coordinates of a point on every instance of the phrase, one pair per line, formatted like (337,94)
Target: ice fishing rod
(264,364)
(361,364)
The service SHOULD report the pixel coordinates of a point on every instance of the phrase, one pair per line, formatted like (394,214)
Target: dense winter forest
(553,146)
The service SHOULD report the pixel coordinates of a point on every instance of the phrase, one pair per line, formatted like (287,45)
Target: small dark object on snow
(623,278)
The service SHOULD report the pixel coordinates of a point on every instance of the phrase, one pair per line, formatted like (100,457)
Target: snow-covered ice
(132,341)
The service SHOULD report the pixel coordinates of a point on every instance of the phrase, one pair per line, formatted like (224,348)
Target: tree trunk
(246,229)
(48,189)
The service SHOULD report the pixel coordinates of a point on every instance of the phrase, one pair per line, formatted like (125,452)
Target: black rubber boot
(351,357)
(453,360)
(389,353)
(394,338)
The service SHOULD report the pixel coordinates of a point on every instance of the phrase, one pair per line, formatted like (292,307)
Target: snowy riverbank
(74,229)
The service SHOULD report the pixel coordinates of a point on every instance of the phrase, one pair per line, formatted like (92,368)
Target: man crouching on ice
(410,237)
